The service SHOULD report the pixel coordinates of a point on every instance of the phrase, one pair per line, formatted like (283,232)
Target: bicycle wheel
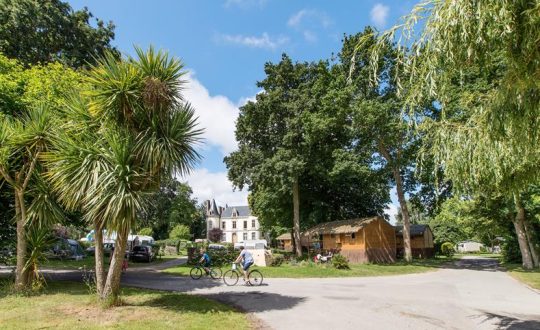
(215,273)
(196,273)
(255,278)
(230,277)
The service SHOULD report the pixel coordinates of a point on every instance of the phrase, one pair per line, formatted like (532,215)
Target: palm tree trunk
(296,218)
(111,289)
(519,225)
(21,275)
(100,271)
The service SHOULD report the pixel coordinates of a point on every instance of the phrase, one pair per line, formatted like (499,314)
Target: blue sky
(225,43)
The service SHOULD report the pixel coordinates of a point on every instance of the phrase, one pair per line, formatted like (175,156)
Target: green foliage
(447,249)
(146,231)
(340,262)
(179,232)
(297,131)
(222,257)
(36,31)
(277,259)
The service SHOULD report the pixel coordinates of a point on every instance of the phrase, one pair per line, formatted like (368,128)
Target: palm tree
(22,140)
(127,129)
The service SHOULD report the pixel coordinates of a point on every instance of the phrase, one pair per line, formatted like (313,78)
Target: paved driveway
(474,294)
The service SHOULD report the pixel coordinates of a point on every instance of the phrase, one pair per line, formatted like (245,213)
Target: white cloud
(244,3)
(391,210)
(264,41)
(217,115)
(306,20)
(378,15)
(297,19)
(215,185)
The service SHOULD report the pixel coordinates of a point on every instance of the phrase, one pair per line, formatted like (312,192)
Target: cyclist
(247,261)
(205,261)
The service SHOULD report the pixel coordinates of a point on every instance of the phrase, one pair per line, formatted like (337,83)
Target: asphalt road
(472,294)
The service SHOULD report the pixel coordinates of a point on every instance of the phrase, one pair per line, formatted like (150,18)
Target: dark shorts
(206,264)
(246,265)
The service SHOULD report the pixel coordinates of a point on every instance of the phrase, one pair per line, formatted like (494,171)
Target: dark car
(142,252)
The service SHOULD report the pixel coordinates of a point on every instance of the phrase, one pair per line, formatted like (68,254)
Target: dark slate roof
(416,230)
(243,211)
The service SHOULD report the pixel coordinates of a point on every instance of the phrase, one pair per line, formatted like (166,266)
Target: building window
(245,236)
(234,224)
(209,224)
(253,235)
(245,224)
(223,225)
(353,235)
(252,223)
(223,237)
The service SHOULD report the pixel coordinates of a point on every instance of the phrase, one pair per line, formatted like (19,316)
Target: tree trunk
(405,216)
(100,272)
(519,225)
(111,289)
(21,275)
(530,240)
(296,218)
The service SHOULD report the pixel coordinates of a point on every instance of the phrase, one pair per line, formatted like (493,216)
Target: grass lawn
(311,270)
(89,262)
(529,277)
(67,305)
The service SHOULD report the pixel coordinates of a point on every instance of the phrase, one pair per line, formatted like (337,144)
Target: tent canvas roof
(340,227)
(282,237)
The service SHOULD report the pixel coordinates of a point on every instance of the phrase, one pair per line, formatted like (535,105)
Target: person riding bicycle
(205,261)
(247,260)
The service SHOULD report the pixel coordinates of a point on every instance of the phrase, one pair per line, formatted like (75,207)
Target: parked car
(107,247)
(142,252)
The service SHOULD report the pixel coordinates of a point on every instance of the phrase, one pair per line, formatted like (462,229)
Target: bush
(447,249)
(340,262)
(510,250)
(277,260)
(146,231)
(215,234)
(179,232)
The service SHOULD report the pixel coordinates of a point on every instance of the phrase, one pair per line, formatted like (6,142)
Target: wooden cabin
(359,240)
(421,241)
(285,242)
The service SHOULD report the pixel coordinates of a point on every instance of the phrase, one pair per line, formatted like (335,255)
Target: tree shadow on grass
(526,322)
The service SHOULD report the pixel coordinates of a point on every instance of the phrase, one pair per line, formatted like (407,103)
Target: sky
(224,44)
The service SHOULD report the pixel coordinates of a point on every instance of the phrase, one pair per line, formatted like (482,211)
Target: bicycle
(254,277)
(197,272)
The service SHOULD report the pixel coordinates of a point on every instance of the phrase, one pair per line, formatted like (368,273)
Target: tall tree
(130,127)
(35,31)
(495,145)
(293,150)
(379,121)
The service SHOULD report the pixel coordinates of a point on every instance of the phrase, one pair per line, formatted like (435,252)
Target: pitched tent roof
(340,227)
(416,230)
(283,237)
(243,211)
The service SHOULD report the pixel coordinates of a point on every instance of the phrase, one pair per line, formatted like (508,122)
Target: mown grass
(67,305)
(89,263)
(311,270)
(529,277)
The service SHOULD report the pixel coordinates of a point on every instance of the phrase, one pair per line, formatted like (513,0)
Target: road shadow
(525,322)
(256,301)
(471,263)
(166,282)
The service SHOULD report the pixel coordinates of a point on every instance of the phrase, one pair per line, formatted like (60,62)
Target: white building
(236,222)
(469,246)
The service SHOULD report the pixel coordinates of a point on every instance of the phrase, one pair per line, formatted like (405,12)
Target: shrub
(146,231)
(214,235)
(277,260)
(179,232)
(222,257)
(340,262)
(447,249)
